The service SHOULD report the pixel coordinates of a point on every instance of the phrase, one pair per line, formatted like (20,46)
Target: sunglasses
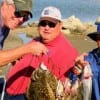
(45,22)
(25,14)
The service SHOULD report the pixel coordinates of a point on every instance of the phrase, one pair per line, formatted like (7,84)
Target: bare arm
(10,55)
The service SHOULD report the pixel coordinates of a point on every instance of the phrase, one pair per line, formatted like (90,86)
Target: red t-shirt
(60,58)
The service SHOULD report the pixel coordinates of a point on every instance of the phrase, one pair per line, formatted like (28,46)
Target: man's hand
(37,48)
(80,59)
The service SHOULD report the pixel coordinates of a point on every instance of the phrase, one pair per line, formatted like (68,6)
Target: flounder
(43,85)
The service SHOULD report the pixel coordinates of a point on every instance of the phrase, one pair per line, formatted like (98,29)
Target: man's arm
(36,48)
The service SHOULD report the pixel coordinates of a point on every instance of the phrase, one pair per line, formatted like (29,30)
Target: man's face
(12,19)
(49,30)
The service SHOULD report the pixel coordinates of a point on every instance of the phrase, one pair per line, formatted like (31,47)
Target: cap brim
(93,36)
(49,19)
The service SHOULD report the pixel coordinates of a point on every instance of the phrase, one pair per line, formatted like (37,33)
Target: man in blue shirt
(94,60)
(14,13)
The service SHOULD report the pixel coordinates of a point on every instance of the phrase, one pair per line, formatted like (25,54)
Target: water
(85,10)
(24,38)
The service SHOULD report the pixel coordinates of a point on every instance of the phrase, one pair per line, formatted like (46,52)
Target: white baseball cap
(51,13)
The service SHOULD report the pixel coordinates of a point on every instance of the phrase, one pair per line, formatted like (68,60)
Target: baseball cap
(22,5)
(93,35)
(51,13)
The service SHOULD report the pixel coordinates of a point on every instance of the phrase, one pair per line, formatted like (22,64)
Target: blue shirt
(4,31)
(94,59)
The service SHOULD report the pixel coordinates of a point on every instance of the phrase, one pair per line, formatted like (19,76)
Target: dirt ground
(82,43)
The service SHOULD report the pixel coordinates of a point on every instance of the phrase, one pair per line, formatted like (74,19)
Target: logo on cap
(47,12)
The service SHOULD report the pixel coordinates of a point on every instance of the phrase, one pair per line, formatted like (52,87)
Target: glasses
(25,14)
(45,22)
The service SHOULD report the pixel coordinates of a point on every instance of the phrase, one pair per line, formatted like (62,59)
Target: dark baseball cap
(22,5)
(94,35)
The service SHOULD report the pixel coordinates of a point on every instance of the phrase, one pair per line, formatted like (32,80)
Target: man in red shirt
(60,58)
